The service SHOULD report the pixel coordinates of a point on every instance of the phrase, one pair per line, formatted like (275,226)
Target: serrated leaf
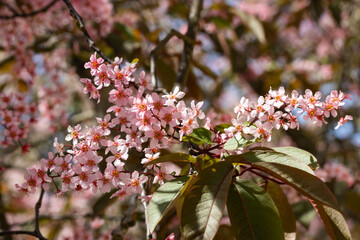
(202,134)
(251,23)
(333,220)
(268,155)
(163,200)
(205,200)
(252,212)
(301,155)
(172,157)
(305,183)
(287,216)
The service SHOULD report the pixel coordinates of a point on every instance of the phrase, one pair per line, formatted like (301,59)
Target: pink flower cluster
(147,121)
(335,171)
(278,110)
(138,118)
(16,116)
(21,34)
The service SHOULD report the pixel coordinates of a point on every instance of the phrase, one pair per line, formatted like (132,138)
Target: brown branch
(193,27)
(21,232)
(36,232)
(82,27)
(37,210)
(25,15)
(157,50)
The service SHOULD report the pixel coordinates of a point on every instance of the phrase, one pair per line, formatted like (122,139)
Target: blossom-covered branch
(82,27)
(142,119)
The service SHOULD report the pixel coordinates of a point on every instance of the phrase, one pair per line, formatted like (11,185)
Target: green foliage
(255,212)
(258,155)
(205,200)
(252,212)
(199,136)
(300,155)
(333,220)
(222,127)
(173,157)
(163,200)
(287,215)
(238,142)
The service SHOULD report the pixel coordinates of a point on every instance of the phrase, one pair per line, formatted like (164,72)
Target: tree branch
(159,47)
(36,232)
(191,33)
(82,27)
(25,15)
(37,210)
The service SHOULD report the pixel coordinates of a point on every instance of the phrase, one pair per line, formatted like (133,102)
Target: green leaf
(163,200)
(237,142)
(220,22)
(202,135)
(204,161)
(334,221)
(258,155)
(172,157)
(252,212)
(222,127)
(205,200)
(224,232)
(251,23)
(231,144)
(135,60)
(300,155)
(305,183)
(287,216)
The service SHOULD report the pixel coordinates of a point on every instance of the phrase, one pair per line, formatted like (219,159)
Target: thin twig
(25,15)
(20,232)
(191,33)
(37,210)
(82,27)
(36,232)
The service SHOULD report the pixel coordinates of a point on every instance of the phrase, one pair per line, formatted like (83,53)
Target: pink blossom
(134,182)
(94,64)
(342,121)
(173,96)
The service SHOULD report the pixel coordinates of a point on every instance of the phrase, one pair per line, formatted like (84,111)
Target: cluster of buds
(16,115)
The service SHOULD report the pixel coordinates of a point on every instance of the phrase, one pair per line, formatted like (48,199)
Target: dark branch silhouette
(82,27)
(36,232)
(24,15)
(193,27)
